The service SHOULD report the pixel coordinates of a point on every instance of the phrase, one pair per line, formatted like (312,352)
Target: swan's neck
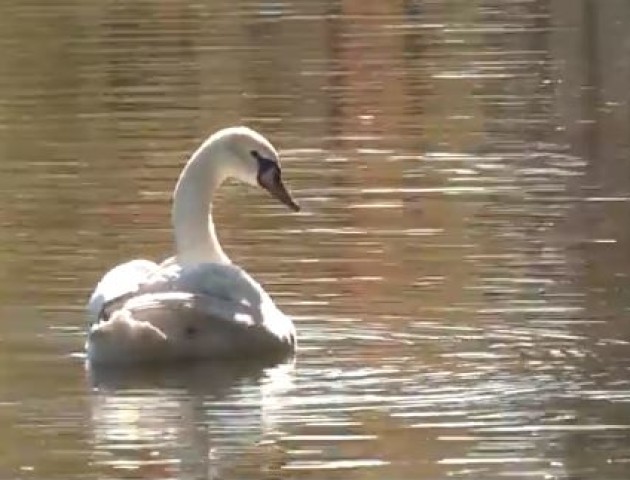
(195,236)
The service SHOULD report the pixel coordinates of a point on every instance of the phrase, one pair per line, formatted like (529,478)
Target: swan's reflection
(191,419)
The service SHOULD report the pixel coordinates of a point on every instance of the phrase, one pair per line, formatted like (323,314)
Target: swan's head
(255,161)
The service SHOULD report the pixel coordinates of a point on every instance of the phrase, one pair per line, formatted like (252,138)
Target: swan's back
(169,326)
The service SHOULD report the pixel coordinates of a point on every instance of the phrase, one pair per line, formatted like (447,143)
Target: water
(458,279)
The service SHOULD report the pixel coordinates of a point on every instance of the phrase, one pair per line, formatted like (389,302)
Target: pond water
(458,277)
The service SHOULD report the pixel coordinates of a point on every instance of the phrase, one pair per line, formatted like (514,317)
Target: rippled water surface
(458,278)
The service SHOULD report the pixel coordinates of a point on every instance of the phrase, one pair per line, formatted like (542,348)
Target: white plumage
(196,304)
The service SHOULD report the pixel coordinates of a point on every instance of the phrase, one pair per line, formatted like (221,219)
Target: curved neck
(195,236)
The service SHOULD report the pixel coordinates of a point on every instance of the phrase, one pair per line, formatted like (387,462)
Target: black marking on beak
(269,177)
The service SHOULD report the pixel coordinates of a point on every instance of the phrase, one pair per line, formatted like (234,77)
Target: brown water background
(459,276)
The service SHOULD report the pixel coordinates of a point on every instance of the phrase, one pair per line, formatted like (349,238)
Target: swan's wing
(131,279)
(156,307)
(177,325)
(168,262)
(225,281)
(120,281)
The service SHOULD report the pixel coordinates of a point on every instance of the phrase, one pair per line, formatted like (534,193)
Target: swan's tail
(123,339)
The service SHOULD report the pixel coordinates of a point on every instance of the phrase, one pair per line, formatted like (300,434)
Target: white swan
(196,304)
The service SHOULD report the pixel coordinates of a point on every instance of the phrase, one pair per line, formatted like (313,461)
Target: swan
(196,304)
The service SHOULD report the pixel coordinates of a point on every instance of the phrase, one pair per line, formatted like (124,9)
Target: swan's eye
(264,164)
(269,178)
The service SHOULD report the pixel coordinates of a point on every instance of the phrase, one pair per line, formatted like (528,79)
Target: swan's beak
(271,181)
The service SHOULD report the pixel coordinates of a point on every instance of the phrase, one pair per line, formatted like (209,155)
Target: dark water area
(458,278)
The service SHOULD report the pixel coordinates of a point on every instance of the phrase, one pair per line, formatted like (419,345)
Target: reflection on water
(194,419)
(458,278)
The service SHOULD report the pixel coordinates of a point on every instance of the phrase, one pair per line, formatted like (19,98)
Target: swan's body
(196,304)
